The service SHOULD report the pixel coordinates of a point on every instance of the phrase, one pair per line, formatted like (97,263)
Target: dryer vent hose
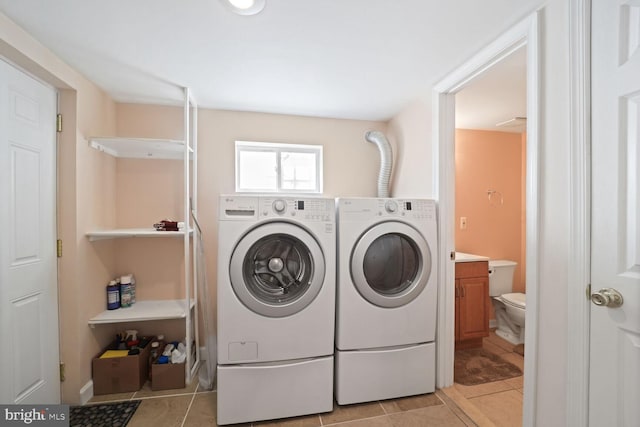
(386,160)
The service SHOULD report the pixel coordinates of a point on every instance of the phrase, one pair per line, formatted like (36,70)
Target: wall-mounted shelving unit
(141,148)
(154,310)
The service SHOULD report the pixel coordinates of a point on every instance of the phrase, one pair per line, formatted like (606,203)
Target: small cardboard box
(167,376)
(120,374)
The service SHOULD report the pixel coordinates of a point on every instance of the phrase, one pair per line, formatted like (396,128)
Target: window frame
(277,149)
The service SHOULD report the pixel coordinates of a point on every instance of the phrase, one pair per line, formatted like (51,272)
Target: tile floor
(496,403)
(492,404)
(191,407)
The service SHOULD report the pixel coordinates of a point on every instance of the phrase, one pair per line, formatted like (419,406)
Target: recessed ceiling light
(245,7)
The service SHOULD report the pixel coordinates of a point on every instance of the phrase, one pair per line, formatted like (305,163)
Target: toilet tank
(501,276)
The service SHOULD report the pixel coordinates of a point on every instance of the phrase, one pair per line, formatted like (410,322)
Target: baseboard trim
(86,392)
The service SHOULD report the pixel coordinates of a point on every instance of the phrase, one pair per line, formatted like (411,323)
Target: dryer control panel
(307,209)
(421,209)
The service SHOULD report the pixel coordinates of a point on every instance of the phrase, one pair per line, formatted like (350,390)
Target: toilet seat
(516,299)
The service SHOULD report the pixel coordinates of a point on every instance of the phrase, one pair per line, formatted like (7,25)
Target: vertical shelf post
(187,222)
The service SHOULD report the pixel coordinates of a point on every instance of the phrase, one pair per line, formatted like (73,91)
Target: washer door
(391,264)
(277,269)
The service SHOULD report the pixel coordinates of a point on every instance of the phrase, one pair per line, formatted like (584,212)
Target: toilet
(509,307)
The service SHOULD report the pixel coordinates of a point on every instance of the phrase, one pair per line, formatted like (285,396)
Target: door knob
(607,297)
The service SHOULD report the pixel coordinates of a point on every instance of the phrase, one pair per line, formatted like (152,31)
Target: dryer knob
(391,206)
(279,206)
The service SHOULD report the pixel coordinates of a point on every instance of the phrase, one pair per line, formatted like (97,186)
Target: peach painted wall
(86,182)
(487,160)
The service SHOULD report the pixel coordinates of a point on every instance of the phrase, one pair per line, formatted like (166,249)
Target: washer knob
(279,206)
(390,206)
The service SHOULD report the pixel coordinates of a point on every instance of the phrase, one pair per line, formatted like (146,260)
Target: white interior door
(28,287)
(614,383)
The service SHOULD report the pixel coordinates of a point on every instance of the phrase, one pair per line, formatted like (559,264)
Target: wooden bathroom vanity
(472,301)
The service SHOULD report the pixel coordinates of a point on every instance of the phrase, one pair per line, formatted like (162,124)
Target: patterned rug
(477,366)
(103,415)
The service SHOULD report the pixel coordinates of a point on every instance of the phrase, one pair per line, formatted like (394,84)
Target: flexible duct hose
(386,160)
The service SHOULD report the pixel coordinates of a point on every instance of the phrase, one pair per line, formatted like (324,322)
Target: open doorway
(523,35)
(490,238)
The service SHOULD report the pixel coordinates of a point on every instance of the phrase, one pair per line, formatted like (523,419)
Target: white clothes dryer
(386,298)
(276,307)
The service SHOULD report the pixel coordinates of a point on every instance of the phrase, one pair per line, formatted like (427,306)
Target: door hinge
(589,291)
(59,248)
(59,123)
(61,371)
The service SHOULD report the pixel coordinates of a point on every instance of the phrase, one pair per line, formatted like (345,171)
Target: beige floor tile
(455,409)
(382,421)
(146,391)
(500,342)
(504,409)
(411,402)
(352,412)
(471,410)
(203,411)
(470,391)
(515,383)
(111,397)
(307,421)
(493,348)
(439,416)
(516,359)
(161,412)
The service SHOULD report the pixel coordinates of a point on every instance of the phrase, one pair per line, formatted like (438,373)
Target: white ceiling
(355,59)
(497,96)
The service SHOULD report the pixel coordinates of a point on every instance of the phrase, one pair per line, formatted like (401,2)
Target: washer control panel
(308,209)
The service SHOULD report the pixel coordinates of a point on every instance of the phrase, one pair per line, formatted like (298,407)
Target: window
(278,168)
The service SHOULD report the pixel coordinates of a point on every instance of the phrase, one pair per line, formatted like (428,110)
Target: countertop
(464,257)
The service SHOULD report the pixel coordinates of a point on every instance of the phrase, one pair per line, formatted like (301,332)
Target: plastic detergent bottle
(125,291)
(113,295)
(130,280)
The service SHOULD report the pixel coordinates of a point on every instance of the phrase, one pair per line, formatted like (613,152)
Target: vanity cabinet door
(472,303)
(473,308)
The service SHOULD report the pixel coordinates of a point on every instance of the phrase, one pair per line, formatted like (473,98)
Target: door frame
(524,33)
(579,268)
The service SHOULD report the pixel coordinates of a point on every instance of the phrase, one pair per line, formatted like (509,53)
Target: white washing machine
(276,307)
(386,299)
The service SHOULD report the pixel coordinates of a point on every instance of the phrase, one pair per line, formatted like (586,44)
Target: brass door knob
(607,297)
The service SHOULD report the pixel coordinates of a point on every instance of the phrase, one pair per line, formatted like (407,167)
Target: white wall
(554,214)
(410,133)
(411,129)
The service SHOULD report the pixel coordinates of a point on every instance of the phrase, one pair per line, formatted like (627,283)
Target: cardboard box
(167,376)
(120,374)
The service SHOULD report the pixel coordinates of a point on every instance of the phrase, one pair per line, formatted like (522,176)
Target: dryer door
(277,269)
(391,264)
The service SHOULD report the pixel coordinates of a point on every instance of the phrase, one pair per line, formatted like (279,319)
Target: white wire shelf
(140,148)
(123,233)
(144,311)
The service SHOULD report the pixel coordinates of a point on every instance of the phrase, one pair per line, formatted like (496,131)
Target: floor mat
(103,415)
(478,366)
(519,349)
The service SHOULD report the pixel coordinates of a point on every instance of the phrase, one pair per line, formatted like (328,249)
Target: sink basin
(465,257)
